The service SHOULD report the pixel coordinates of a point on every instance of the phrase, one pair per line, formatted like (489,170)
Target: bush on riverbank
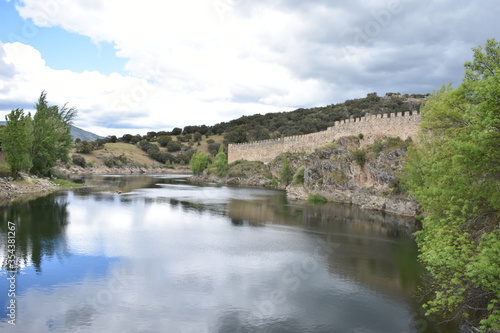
(246,169)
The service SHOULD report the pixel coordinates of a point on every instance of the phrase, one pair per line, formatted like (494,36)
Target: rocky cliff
(343,172)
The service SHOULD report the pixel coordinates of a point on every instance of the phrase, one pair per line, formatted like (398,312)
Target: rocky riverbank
(25,188)
(30,187)
(63,171)
(341,171)
(344,172)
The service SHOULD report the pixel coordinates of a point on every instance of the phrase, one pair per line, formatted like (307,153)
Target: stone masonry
(372,127)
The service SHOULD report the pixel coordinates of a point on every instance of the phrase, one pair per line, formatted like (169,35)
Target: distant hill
(311,120)
(78,133)
(83,135)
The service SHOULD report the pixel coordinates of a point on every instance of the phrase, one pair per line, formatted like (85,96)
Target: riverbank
(26,188)
(30,187)
(64,172)
(343,171)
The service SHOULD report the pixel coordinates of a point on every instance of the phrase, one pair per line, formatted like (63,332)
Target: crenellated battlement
(398,124)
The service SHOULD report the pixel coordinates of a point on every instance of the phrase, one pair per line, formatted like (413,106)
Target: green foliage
(17,141)
(315,199)
(2,128)
(176,131)
(197,137)
(304,121)
(298,177)
(116,161)
(388,143)
(238,135)
(453,172)
(359,155)
(173,146)
(79,160)
(52,137)
(164,140)
(84,147)
(361,136)
(126,138)
(213,148)
(244,169)
(164,157)
(220,162)
(199,162)
(135,139)
(286,174)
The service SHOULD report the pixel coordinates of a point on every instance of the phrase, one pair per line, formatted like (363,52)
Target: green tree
(176,131)
(163,140)
(199,162)
(454,173)
(52,137)
(220,162)
(173,146)
(84,147)
(2,127)
(17,141)
(213,148)
(126,138)
(286,174)
(197,137)
(235,136)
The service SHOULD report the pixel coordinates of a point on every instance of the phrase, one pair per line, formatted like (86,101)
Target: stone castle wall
(372,127)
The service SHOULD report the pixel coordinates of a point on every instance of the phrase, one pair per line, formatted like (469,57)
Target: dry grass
(133,153)
(204,145)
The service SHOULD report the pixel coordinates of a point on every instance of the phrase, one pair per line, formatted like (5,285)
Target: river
(157,254)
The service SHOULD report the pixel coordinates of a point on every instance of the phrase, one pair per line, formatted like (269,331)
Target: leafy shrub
(244,169)
(376,146)
(285,172)
(199,162)
(213,148)
(173,146)
(84,147)
(314,198)
(221,162)
(116,161)
(298,178)
(79,160)
(359,156)
(164,140)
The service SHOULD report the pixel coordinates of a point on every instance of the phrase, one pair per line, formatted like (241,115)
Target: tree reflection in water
(40,230)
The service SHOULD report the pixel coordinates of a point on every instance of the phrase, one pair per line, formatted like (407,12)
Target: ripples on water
(156,254)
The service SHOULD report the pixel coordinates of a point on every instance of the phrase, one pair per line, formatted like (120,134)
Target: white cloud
(192,62)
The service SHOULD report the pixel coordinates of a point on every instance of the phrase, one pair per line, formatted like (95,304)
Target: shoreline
(30,187)
(25,189)
(294,193)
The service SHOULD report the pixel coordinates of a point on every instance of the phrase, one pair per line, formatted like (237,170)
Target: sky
(133,67)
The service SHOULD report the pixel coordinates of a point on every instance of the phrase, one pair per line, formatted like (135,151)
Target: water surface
(157,254)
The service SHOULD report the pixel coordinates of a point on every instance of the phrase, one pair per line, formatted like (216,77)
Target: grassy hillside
(132,153)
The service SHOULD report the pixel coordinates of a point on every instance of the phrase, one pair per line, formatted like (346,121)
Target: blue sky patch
(61,50)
